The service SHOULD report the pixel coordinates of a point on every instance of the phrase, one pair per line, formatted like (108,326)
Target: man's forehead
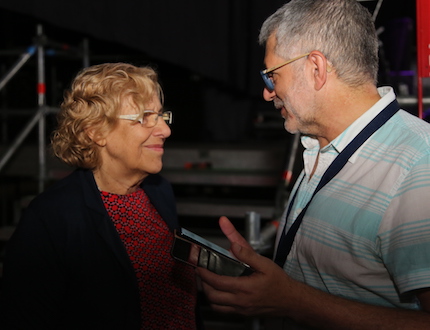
(271,41)
(270,55)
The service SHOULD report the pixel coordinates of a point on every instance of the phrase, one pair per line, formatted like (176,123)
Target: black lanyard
(287,239)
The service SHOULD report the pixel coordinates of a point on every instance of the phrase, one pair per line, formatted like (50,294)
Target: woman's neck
(115,185)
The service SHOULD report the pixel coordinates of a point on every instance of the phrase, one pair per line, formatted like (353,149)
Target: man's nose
(268,95)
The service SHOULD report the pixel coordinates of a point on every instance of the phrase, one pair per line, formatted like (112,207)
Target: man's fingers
(215,281)
(248,256)
(230,231)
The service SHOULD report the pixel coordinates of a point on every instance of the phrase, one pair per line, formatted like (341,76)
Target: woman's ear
(320,68)
(96,137)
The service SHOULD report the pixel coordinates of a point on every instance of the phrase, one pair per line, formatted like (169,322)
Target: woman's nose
(163,128)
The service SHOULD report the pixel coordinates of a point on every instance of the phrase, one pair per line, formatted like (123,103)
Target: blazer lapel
(161,195)
(159,192)
(102,222)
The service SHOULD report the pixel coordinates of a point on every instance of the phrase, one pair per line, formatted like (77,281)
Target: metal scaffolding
(39,117)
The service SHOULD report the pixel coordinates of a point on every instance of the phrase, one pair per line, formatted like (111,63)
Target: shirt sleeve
(405,230)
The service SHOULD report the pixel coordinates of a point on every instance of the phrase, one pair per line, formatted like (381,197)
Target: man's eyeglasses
(267,74)
(149,118)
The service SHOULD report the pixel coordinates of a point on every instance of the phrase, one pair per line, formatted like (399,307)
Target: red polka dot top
(167,287)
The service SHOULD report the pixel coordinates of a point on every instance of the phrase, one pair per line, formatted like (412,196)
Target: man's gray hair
(343,30)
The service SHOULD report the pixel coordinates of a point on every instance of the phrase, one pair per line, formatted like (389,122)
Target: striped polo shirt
(366,234)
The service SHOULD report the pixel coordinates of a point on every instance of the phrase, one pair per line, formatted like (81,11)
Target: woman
(93,251)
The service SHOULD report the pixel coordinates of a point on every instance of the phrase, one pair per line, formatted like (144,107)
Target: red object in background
(423,48)
(41,88)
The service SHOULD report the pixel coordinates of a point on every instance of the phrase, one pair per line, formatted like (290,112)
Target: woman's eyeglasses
(149,118)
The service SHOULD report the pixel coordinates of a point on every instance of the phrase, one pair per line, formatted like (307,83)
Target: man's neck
(345,108)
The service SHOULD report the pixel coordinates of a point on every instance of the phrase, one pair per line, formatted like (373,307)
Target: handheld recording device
(199,252)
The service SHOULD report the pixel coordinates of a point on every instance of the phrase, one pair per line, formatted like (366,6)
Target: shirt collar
(339,143)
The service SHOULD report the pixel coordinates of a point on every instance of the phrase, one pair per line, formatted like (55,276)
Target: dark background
(206,53)
(208,59)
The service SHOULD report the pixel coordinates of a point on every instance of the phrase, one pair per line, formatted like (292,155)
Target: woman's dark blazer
(66,267)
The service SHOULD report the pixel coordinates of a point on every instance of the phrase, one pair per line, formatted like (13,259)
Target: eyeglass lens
(268,81)
(150,119)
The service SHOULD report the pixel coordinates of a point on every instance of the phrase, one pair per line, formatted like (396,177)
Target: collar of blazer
(158,190)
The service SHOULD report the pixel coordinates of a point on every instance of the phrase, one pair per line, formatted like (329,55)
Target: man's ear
(96,137)
(320,68)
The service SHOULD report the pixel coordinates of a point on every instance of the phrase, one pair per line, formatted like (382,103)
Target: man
(360,258)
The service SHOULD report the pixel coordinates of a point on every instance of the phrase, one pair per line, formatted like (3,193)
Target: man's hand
(271,292)
(259,293)
(231,233)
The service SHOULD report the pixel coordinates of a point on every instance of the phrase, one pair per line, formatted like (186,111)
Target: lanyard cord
(287,239)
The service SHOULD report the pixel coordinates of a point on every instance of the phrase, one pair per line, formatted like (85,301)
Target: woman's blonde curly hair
(93,104)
